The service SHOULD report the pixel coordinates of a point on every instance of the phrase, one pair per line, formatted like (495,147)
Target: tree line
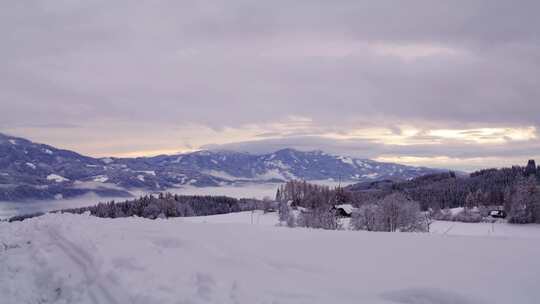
(166,205)
(172,205)
(410,205)
(514,190)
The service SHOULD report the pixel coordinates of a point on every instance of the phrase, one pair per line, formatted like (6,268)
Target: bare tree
(365,218)
(321,217)
(395,212)
(284,212)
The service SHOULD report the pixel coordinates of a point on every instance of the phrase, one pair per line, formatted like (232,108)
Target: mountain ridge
(31,170)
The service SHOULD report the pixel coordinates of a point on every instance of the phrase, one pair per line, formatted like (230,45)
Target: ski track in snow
(85,262)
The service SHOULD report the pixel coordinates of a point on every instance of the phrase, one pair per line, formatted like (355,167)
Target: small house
(497,214)
(344,210)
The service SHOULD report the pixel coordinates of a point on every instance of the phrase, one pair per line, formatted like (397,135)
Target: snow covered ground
(500,229)
(227,259)
(248,217)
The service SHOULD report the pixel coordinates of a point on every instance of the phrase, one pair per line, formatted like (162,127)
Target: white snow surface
(498,229)
(148,172)
(346,160)
(371,175)
(107,160)
(456,211)
(57,178)
(101,178)
(63,258)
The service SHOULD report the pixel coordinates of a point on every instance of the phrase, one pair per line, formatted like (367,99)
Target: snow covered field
(227,259)
(501,229)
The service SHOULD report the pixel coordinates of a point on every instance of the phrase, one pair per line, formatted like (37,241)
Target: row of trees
(169,205)
(482,188)
(514,189)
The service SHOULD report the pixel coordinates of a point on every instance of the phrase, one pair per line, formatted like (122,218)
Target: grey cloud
(50,125)
(231,63)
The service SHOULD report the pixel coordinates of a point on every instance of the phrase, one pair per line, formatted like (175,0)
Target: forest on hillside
(513,190)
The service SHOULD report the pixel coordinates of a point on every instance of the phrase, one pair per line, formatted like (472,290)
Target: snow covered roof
(345,207)
(496,212)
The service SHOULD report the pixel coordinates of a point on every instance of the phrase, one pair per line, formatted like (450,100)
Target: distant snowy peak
(286,164)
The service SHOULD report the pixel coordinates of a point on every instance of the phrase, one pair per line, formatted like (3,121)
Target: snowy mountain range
(36,171)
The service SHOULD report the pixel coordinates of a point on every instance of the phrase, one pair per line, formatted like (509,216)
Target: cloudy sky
(441,83)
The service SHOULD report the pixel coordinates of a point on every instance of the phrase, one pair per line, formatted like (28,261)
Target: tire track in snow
(95,282)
